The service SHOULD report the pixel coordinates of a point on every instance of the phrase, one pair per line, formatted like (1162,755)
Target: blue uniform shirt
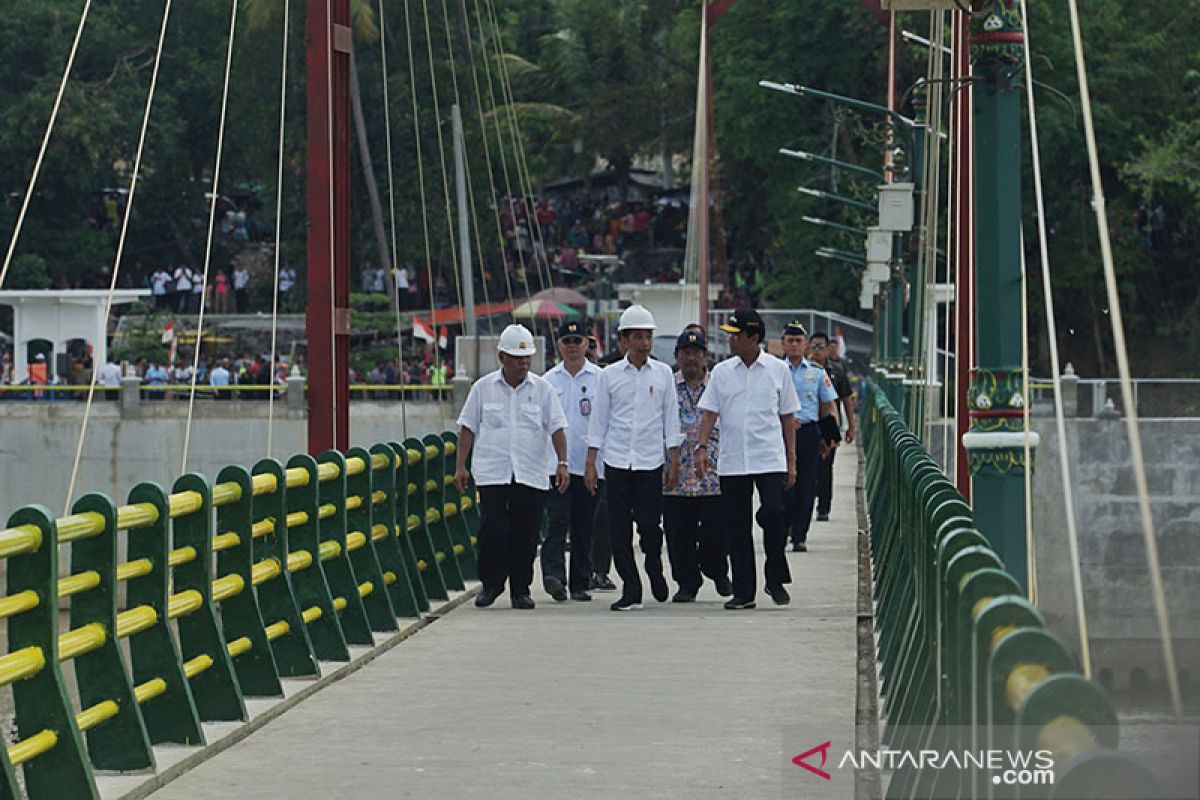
(813,387)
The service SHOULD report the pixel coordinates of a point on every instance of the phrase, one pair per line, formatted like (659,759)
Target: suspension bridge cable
(283,73)
(437,118)
(495,115)
(473,224)
(951,281)
(1060,426)
(1027,437)
(116,270)
(1118,331)
(412,83)
(212,216)
(387,124)
(37,162)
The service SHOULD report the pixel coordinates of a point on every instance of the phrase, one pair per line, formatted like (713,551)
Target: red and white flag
(841,341)
(422,330)
(443,337)
(168,338)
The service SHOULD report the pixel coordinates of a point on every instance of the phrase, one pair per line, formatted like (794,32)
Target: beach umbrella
(544,309)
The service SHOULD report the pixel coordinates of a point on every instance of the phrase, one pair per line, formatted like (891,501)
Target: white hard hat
(516,340)
(636,317)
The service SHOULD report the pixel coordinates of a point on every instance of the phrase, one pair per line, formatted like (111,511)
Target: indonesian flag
(841,341)
(443,337)
(422,330)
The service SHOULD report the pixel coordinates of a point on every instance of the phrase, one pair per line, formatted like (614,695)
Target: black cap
(691,339)
(795,328)
(745,320)
(571,328)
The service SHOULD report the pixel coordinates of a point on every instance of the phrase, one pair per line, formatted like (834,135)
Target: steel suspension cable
(37,162)
(116,270)
(212,216)
(1118,331)
(283,73)
(387,124)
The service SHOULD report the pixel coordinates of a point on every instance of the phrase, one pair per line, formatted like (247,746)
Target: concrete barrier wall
(38,442)
(1123,629)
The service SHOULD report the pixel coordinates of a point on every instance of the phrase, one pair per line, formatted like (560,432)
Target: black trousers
(634,495)
(825,482)
(736,495)
(574,510)
(508,529)
(696,541)
(601,541)
(799,501)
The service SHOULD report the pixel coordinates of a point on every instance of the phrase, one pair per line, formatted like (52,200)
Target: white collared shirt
(636,416)
(577,396)
(512,428)
(749,402)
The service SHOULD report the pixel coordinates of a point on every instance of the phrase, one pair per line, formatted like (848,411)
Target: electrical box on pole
(879,245)
(896,207)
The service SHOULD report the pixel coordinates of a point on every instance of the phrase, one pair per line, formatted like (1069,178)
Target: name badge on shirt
(585,406)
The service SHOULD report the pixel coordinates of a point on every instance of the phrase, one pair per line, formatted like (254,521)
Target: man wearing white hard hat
(636,423)
(509,416)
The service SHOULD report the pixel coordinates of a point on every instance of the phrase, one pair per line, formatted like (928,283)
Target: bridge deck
(576,700)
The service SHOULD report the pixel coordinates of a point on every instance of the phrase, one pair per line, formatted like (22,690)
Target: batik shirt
(689,485)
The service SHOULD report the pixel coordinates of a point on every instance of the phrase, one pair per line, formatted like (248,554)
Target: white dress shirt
(749,402)
(511,427)
(577,396)
(636,416)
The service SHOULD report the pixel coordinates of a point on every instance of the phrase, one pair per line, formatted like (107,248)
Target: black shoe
(779,595)
(658,587)
(822,516)
(603,584)
(724,587)
(684,596)
(625,604)
(522,601)
(486,597)
(799,547)
(582,597)
(593,582)
(554,588)
(736,604)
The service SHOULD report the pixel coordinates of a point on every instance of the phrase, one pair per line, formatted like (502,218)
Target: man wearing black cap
(574,381)
(754,398)
(696,540)
(817,400)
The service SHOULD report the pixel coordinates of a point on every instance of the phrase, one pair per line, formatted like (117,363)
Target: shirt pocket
(529,417)
(495,415)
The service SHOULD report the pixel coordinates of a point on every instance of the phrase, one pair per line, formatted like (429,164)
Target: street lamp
(861,105)
(839,255)
(836,198)
(839,226)
(833,162)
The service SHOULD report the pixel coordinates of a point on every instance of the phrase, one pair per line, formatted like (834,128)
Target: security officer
(823,351)
(574,381)
(696,540)
(507,419)
(754,398)
(817,399)
(636,424)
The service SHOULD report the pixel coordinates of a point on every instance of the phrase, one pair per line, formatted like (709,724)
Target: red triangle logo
(823,749)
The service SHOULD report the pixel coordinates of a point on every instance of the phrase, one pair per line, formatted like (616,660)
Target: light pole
(839,255)
(825,223)
(837,198)
(804,155)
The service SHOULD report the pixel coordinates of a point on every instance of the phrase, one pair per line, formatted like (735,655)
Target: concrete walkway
(574,700)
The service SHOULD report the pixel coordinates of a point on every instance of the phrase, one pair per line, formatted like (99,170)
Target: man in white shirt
(220,377)
(241,282)
(753,396)
(636,423)
(509,416)
(109,375)
(574,381)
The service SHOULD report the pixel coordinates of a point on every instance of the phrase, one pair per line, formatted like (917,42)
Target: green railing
(226,588)
(966,661)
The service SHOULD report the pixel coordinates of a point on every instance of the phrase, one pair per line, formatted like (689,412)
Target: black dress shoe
(486,597)
(603,584)
(684,596)
(799,547)
(522,601)
(582,597)
(779,595)
(625,604)
(658,587)
(724,587)
(737,604)
(822,516)
(554,588)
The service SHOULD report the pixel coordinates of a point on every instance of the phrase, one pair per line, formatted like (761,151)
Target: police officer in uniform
(574,381)
(507,420)
(817,399)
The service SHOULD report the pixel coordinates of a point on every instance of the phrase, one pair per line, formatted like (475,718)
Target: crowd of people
(677,452)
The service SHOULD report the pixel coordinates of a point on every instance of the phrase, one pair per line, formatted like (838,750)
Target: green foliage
(28,271)
(142,340)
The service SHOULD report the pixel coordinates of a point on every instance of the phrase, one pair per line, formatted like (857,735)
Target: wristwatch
(702,447)
(563,464)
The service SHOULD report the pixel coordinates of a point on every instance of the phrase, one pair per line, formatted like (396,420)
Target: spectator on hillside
(287,279)
(221,292)
(183,278)
(241,283)
(160,287)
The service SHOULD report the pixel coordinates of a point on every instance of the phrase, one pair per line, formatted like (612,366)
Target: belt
(804,425)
